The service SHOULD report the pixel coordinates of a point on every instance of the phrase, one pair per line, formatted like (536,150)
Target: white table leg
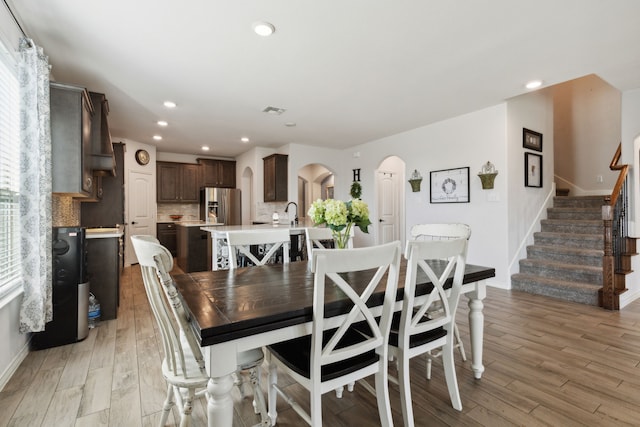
(476,325)
(219,402)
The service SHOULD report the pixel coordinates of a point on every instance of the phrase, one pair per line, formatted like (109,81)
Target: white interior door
(141,206)
(388,228)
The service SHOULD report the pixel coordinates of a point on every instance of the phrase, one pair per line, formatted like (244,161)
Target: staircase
(565,260)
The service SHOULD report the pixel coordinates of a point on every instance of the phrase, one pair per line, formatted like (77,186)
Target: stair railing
(614,216)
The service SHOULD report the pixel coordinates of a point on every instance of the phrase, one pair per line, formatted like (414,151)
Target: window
(9,178)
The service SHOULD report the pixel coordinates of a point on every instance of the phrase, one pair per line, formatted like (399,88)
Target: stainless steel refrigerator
(221,205)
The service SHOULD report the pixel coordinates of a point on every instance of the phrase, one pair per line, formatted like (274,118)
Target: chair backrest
(242,240)
(440,231)
(437,259)
(314,236)
(328,266)
(173,321)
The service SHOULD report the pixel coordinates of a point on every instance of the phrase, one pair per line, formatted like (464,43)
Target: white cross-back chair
(336,354)
(315,236)
(418,329)
(242,240)
(183,366)
(443,231)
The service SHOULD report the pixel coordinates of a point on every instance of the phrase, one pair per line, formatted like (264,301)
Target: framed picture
(531,139)
(532,170)
(450,186)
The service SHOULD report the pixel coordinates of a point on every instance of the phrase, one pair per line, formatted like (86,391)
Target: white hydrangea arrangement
(340,217)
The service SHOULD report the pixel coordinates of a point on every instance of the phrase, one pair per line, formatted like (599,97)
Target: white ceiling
(346,71)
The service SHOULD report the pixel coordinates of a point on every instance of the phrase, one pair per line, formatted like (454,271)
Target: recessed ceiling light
(205,148)
(244,139)
(534,84)
(263,29)
(162,123)
(157,137)
(290,124)
(169,104)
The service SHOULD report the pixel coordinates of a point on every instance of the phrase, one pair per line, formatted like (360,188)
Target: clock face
(142,157)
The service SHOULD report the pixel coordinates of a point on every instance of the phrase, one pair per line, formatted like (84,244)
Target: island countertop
(295,229)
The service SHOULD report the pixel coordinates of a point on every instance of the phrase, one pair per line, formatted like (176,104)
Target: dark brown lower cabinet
(193,249)
(166,232)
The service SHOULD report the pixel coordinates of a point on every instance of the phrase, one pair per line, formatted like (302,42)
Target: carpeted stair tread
(580,292)
(566,254)
(560,265)
(568,250)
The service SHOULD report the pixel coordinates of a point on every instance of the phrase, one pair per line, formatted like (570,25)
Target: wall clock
(142,157)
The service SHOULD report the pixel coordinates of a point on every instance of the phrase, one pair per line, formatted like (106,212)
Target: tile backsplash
(65,211)
(189,211)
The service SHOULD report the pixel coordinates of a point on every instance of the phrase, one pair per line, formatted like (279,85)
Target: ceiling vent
(274,110)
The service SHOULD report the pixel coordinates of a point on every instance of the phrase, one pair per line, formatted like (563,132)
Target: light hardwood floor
(547,363)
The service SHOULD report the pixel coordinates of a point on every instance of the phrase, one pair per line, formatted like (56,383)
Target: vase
(341,237)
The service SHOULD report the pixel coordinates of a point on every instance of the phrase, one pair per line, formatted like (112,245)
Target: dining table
(250,307)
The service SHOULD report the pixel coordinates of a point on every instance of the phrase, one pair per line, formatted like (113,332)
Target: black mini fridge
(70,291)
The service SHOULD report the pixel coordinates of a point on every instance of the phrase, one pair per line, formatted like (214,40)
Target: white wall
(586,133)
(469,140)
(527,205)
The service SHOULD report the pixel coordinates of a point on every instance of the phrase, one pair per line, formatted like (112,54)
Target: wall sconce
(415,180)
(487,175)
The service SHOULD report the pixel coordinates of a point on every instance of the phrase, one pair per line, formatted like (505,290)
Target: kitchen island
(220,250)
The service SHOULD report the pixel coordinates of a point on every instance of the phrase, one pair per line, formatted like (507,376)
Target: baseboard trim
(14,365)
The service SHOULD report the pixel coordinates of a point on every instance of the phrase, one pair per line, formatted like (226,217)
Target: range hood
(103,161)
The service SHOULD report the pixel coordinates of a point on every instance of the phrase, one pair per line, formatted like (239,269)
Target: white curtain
(35,188)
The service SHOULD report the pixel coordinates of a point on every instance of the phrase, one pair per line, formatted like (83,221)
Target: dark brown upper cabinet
(276,178)
(217,173)
(177,182)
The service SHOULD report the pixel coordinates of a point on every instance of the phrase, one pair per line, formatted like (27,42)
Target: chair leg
(166,407)
(272,394)
(450,374)
(187,407)
(259,405)
(456,333)
(404,383)
(382,396)
(429,363)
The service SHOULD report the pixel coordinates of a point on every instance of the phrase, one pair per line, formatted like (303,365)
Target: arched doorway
(315,181)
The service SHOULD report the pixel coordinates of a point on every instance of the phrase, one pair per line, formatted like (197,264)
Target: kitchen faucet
(286,210)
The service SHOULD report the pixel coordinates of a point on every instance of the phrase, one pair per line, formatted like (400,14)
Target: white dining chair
(442,231)
(418,329)
(242,240)
(183,366)
(316,237)
(336,354)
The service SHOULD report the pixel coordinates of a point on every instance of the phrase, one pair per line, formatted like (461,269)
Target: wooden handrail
(621,177)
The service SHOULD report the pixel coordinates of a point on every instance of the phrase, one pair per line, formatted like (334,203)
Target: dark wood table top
(232,304)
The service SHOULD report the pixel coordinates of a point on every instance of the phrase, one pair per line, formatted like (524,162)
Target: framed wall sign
(532,170)
(450,186)
(531,139)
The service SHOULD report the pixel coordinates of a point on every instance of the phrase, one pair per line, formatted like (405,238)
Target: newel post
(609,299)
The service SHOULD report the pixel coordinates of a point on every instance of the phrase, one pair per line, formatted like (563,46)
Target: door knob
(133,222)
(381,220)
